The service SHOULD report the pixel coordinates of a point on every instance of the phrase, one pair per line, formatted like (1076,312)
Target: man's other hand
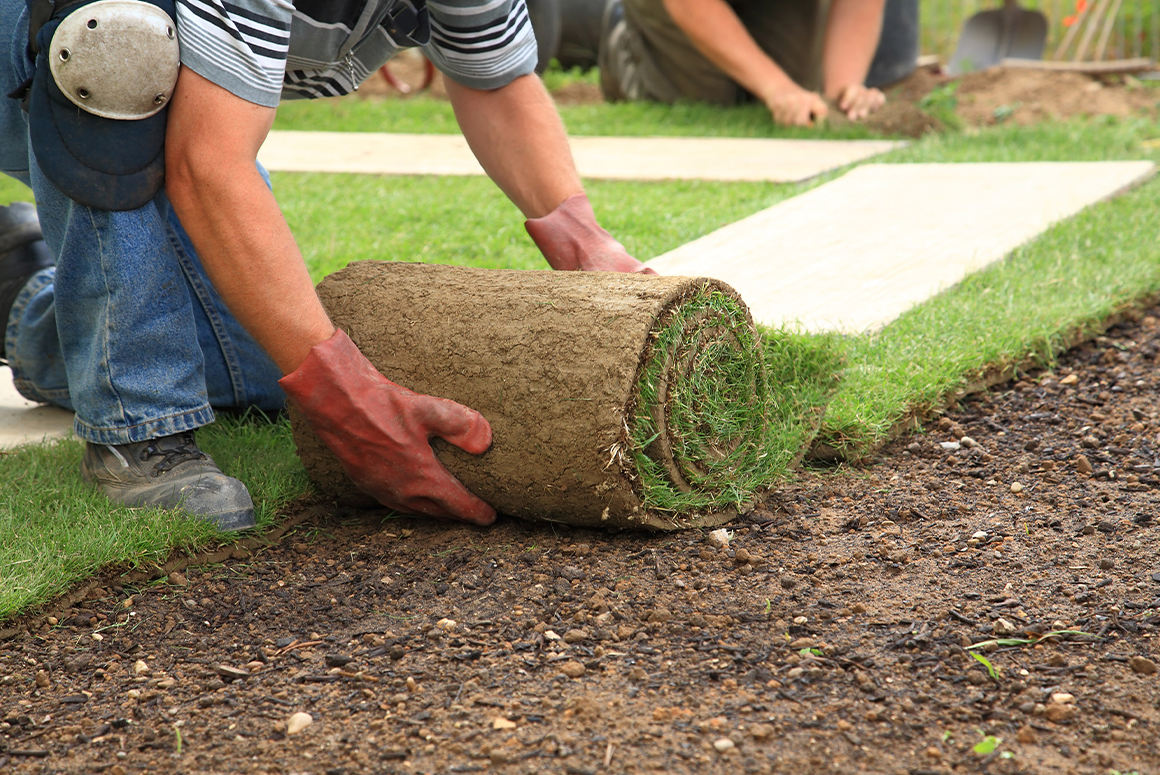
(794,106)
(858,101)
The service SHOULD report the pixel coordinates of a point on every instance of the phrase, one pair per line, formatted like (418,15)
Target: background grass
(54,530)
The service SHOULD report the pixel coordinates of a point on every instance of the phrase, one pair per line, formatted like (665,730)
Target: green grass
(427,115)
(55,531)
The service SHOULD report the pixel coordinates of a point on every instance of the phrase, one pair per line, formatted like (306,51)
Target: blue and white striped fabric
(266,50)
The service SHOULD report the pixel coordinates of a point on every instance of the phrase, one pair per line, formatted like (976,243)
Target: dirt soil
(826,633)
(978,99)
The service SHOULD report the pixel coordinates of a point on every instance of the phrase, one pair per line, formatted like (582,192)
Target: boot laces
(172,456)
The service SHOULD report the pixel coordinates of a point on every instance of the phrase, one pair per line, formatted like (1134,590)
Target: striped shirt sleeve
(482,45)
(240,45)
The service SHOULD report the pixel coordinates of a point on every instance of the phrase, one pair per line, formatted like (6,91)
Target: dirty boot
(169,473)
(22,254)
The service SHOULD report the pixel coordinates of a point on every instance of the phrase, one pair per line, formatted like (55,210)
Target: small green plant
(177,735)
(987,745)
(1028,641)
(941,103)
(991,670)
(1004,112)
(812,653)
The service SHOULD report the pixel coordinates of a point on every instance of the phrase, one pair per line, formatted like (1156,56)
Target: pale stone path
(850,255)
(22,421)
(855,253)
(609,158)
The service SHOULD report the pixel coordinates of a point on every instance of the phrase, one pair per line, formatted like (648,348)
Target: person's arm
(852,32)
(242,239)
(379,431)
(716,31)
(520,142)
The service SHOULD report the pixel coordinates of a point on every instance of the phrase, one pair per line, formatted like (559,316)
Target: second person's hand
(795,106)
(858,101)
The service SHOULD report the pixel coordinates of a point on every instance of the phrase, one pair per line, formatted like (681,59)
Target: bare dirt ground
(830,633)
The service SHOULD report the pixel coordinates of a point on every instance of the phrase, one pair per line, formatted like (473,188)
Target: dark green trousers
(647,57)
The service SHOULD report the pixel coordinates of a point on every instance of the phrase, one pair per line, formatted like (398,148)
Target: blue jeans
(126,330)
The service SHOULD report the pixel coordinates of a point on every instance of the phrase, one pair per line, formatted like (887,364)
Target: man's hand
(571,240)
(381,432)
(794,106)
(858,101)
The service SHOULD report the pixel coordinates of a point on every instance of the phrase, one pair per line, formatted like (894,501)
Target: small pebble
(298,722)
(720,537)
(1057,712)
(1142,665)
(724,744)
(968,443)
(1016,487)
(572,669)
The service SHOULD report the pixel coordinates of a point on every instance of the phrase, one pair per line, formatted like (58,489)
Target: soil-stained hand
(381,432)
(858,101)
(794,106)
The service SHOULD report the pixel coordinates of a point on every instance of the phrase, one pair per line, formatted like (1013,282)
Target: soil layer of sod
(880,619)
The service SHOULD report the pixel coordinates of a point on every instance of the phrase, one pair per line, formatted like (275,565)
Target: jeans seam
(204,298)
(104,337)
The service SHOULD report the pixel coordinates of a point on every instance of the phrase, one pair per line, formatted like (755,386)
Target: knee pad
(105,71)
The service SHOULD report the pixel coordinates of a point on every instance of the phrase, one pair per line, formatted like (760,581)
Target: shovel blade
(991,36)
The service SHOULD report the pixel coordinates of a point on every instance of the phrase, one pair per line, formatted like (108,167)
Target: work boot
(22,254)
(169,473)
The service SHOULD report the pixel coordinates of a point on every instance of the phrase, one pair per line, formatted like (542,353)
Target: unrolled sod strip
(615,400)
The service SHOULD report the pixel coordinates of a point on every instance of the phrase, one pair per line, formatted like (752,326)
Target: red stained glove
(381,432)
(570,239)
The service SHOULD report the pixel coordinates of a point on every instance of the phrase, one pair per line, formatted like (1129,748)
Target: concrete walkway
(610,158)
(22,421)
(855,253)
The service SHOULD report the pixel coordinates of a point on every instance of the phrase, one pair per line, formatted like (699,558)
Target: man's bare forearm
(241,237)
(852,32)
(717,32)
(518,137)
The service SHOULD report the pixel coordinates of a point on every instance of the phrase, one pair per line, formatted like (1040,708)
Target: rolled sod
(615,400)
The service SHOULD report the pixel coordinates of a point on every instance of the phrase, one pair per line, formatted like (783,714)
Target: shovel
(989,37)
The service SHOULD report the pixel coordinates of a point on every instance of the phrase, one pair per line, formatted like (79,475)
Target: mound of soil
(830,632)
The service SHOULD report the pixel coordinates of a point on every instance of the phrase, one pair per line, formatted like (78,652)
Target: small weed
(1028,641)
(987,745)
(1004,112)
(177,734)
(991,670)
(812,653)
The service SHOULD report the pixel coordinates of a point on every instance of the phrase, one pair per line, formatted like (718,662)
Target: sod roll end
(618,401)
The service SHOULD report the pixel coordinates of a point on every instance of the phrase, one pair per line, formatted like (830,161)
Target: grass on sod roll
(707,412)
(54,531)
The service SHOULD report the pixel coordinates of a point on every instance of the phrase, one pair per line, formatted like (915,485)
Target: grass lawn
(54,531)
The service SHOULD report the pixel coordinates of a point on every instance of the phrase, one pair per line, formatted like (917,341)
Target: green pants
(647,57)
